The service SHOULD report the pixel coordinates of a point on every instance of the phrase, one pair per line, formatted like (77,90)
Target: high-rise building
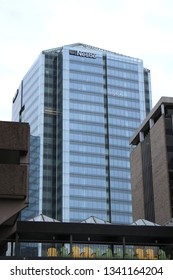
(83,104)
(152,165)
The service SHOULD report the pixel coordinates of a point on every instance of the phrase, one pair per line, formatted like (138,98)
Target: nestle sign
(82,54)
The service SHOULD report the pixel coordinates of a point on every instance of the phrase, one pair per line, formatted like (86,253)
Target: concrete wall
(137,184)
(160,176)
(160,172)
(14,167)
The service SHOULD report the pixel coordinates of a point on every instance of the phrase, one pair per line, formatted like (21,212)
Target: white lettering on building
(82,54)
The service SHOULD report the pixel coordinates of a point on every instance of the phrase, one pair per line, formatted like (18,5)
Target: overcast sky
(138,28)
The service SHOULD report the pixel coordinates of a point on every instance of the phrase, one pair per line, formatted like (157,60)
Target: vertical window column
(107,158)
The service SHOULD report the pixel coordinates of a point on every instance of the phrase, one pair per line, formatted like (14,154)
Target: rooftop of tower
(89,47)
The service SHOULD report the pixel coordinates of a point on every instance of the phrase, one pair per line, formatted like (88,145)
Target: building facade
(152,165)
(14,167)
(83,104)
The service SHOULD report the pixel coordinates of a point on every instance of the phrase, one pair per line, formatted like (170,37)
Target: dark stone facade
(14,164)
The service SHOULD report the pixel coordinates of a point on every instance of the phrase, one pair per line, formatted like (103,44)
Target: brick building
(152,165)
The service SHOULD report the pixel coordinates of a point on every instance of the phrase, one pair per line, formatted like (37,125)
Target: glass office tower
(83,105)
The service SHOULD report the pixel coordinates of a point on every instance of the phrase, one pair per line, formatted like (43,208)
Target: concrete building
(82,103)
(152,165)
(14,160)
